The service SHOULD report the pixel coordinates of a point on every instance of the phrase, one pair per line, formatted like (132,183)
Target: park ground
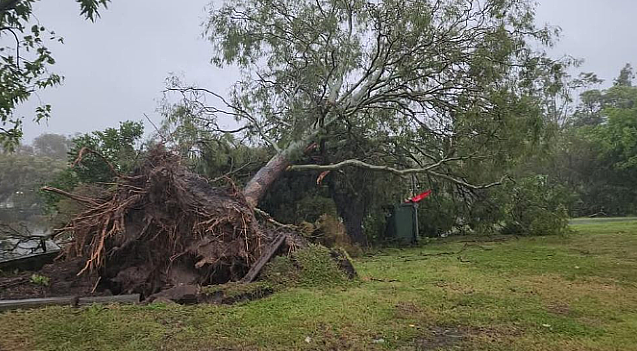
(572,292)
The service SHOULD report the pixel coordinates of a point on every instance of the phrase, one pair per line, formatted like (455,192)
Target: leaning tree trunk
(351,210)
(261,182)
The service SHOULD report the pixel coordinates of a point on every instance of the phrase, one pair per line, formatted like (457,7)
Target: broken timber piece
(265,258)
(6,305)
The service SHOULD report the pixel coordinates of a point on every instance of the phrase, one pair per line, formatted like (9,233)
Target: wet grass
(576,292)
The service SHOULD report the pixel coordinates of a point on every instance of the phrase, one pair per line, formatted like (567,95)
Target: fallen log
(7,305)
(270,251)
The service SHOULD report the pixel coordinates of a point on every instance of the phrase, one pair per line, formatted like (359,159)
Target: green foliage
(536,207)
(295,198)
(453,211)
(329,231)
(39,280)
(25,62)
(118,146)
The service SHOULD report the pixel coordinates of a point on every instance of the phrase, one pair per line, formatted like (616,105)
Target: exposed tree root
(163,226)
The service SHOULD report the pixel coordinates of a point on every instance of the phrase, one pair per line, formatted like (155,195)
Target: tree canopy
(432,84)
(456,94)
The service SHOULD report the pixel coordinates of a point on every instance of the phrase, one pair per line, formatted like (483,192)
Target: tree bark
(351,204)
(261,182)
(353,220)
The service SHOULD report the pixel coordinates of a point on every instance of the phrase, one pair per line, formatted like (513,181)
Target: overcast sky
(115,68)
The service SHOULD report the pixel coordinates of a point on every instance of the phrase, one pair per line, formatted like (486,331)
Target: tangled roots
(163,226)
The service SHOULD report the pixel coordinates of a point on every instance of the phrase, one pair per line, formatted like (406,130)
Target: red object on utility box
(420,197)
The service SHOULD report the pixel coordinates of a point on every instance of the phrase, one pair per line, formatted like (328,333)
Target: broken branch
(77,198)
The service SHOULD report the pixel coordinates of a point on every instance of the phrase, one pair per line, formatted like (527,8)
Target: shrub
(536,207)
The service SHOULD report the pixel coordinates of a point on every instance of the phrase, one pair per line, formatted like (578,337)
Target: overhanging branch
(361,164)
(400,172)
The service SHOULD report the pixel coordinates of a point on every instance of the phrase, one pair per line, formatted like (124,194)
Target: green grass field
(577,292)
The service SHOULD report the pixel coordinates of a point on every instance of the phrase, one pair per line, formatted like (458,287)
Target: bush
(40,280)
(536,207)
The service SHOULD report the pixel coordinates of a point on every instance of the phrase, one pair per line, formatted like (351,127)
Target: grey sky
(115,68)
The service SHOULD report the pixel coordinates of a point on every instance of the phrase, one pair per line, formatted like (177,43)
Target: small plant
(39,280)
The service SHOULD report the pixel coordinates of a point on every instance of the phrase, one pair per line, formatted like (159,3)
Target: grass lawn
(577,292)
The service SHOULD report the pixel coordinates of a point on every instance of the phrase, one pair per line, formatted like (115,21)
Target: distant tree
(25,62)
(626,77)
(596,159)
(589,112)
(21,176)
(52,145)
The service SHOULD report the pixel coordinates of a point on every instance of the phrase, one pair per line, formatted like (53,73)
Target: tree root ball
(163,227)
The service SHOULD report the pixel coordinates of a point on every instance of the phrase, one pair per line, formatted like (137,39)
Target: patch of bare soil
(62,280)
(224,294)
(441,338)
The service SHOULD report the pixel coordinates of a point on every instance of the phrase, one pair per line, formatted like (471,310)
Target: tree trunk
(353,221)
(350,205)
(261,182)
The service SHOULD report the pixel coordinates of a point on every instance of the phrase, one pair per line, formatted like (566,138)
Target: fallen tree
(163,226)
(441,88)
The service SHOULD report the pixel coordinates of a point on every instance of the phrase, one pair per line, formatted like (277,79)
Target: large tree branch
(400,172)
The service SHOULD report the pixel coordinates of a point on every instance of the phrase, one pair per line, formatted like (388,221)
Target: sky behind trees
(115,68)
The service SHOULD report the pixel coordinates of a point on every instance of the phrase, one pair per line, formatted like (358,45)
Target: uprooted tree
(162,226)
(450,89)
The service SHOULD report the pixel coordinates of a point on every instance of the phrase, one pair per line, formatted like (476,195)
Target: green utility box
(402,225)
